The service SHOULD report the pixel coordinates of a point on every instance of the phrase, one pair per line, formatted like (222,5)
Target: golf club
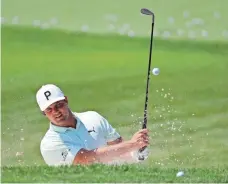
(145,11)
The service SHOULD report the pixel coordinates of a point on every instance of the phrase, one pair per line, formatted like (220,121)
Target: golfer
(82,138)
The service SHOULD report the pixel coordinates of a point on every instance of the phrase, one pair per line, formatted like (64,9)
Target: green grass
(72,14)
(119,174)
(187,104)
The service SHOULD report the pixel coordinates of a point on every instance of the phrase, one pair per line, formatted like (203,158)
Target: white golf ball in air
(180,173)
(156,71)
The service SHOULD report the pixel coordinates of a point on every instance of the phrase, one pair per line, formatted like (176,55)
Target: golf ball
(156,71)
(180,173)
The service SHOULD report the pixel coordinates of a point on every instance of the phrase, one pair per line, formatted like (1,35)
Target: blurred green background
(174,18)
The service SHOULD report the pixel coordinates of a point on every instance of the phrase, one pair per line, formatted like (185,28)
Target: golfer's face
(57,112)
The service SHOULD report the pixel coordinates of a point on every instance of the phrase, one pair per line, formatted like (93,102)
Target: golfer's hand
(140,139)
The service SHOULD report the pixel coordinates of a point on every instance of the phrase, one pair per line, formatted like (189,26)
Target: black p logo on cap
(47,94)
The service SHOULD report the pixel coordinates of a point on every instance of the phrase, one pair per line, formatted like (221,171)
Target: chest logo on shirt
(65,153)
(93,130)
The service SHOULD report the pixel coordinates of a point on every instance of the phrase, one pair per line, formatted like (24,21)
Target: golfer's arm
(117,141)
(103,155)
(126,157)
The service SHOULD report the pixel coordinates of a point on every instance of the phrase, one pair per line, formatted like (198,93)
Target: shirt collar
(61,129)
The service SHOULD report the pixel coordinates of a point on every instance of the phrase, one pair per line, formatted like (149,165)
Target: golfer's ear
(66,99)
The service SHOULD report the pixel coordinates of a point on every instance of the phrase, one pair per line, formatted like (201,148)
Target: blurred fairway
(107,73)
(112,174)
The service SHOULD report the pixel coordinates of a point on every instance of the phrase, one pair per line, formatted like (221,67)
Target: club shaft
(148,78)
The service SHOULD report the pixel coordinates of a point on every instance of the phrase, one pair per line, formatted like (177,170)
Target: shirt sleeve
(109,132)
(60,154)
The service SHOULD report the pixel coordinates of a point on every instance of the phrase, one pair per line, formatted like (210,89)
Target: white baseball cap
(47,95)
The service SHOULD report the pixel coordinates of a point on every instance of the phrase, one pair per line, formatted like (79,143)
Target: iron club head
(145,11)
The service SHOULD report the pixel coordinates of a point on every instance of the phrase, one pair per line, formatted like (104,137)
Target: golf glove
(140,156)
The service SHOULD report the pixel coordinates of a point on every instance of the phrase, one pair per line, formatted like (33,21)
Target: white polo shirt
(60,145)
